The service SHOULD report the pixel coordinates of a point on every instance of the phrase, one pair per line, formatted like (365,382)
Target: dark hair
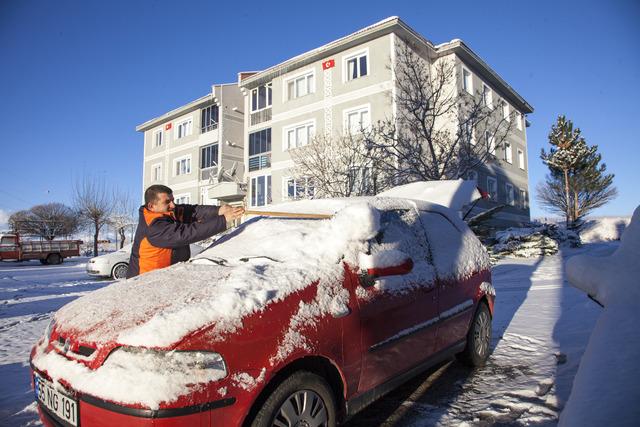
(151,193)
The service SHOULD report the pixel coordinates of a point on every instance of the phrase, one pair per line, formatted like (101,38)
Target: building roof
(389,25)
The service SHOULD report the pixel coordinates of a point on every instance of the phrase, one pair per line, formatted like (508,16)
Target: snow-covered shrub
(537,240)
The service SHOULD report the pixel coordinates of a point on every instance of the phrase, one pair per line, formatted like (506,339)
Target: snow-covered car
(116,264)
(282,321)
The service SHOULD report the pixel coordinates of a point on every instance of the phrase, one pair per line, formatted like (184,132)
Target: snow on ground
(540,330)
(602,229)
(29,295)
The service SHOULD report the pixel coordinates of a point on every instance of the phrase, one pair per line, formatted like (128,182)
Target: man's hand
(230,213)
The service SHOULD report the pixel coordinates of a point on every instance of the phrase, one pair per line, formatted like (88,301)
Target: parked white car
(116,264)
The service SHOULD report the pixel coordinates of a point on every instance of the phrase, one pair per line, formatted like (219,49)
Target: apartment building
(197,149)
(349,84)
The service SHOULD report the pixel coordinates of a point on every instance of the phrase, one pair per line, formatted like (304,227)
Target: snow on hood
(453,194)
(263,260)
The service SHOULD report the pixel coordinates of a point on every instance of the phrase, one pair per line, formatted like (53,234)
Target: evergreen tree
(577,183)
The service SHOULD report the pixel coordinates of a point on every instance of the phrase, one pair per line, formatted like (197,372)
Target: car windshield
(267,239)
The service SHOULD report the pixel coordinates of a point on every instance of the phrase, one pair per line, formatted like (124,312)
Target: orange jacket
(163,239)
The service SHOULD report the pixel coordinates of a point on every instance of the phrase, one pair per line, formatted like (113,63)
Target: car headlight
(199,366)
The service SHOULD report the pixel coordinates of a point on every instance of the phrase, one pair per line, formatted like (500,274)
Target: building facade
(349,84)
(197,149)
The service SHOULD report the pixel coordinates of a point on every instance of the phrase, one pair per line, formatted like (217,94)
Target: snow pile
(603,229)
(453,194)
(527,242)
(605,390)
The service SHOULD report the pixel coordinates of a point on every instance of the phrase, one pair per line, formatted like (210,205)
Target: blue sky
(77,77)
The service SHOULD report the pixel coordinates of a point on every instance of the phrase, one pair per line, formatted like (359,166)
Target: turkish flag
(329,63)
(167,126)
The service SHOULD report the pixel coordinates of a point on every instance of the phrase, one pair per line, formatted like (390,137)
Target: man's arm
(164,233)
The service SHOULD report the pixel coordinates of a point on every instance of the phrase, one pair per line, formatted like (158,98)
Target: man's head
(159,198)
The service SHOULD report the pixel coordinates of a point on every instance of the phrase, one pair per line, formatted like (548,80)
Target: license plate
(63,406)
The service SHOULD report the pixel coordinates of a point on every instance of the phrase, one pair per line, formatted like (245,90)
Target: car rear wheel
(303,399)
(476,352)
(54,259)
(119,272)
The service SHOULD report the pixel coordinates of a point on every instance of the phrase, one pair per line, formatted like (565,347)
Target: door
(456,290)
(9,248)
(397,313)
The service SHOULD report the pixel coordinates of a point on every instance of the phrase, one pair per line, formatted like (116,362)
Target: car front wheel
(303,399)
(119,272)
(476,352)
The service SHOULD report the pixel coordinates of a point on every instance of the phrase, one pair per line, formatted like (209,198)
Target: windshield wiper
(215,260)
(246,259)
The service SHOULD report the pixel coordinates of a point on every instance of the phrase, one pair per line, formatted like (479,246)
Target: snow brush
(288,214)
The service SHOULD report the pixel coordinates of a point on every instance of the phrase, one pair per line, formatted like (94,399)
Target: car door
(456,288)
(9,247)
(397,313)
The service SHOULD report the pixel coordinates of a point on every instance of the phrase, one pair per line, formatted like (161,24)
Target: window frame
(177,198)
(508,152)
(189,128)
(508,187)
(311,89)
(523,198)
(505,111)
(156,177)
(268,132)
(268,183)
(208,128)
(156,133)
(519,120)
(178,160)
(217,149)
(358,109)
(495,182)
(469,89)
(309,125)
(268,97)
(521,159)
(285,188)
(487,97)
(355,55)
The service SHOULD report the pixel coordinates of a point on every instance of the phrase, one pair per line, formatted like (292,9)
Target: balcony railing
(259,161)
(260,116)
(209,127)
(208,173)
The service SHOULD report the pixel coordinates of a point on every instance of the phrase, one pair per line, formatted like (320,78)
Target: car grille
(83,350)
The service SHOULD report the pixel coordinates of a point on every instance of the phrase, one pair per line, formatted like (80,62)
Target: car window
(456,253)
(401,231)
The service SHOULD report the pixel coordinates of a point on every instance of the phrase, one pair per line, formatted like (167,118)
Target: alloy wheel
(482,334)
(304,408)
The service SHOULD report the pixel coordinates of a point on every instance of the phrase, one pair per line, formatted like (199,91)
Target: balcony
(260,117)
(259,161)
(227,191)
(208,128)
(208,173)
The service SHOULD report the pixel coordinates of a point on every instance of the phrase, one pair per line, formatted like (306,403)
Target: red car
(281,322)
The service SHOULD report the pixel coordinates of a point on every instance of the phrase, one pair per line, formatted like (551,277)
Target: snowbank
(527,242)
(604,229)
(605,390)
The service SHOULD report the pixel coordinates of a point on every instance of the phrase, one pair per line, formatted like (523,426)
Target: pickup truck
(47,251)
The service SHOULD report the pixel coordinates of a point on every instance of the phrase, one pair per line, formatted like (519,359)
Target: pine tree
(577,183)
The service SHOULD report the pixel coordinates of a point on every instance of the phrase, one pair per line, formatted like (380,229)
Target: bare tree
(337,165)
(93,202)
(439,131)
(123,215)
(47,221)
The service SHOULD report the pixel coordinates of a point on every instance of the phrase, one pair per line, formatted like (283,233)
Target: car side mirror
(374,266)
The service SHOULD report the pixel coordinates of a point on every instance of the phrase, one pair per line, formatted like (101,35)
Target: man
(165,229)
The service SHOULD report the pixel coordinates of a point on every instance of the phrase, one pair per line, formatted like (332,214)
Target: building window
(209,118)
(487,100)
(469,133)
(261,97)
(157,138)
(182,166)
(523,199)
(182,199)
(491,142)
(299,135)
(360,181)
(521,159)
(260,149)
(184,128)
(261,190)
(472,176)
(505,111)
(300,86)
(156,173)
(510,194)
(467,81)
(492,188)
(357,66)
(357,120)
(519,120)
(508,152)
(300,188)
(209,156)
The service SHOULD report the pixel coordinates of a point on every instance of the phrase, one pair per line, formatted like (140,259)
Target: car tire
(303,398)
(54,259)
(43,262)
(476,351)
(119,271)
